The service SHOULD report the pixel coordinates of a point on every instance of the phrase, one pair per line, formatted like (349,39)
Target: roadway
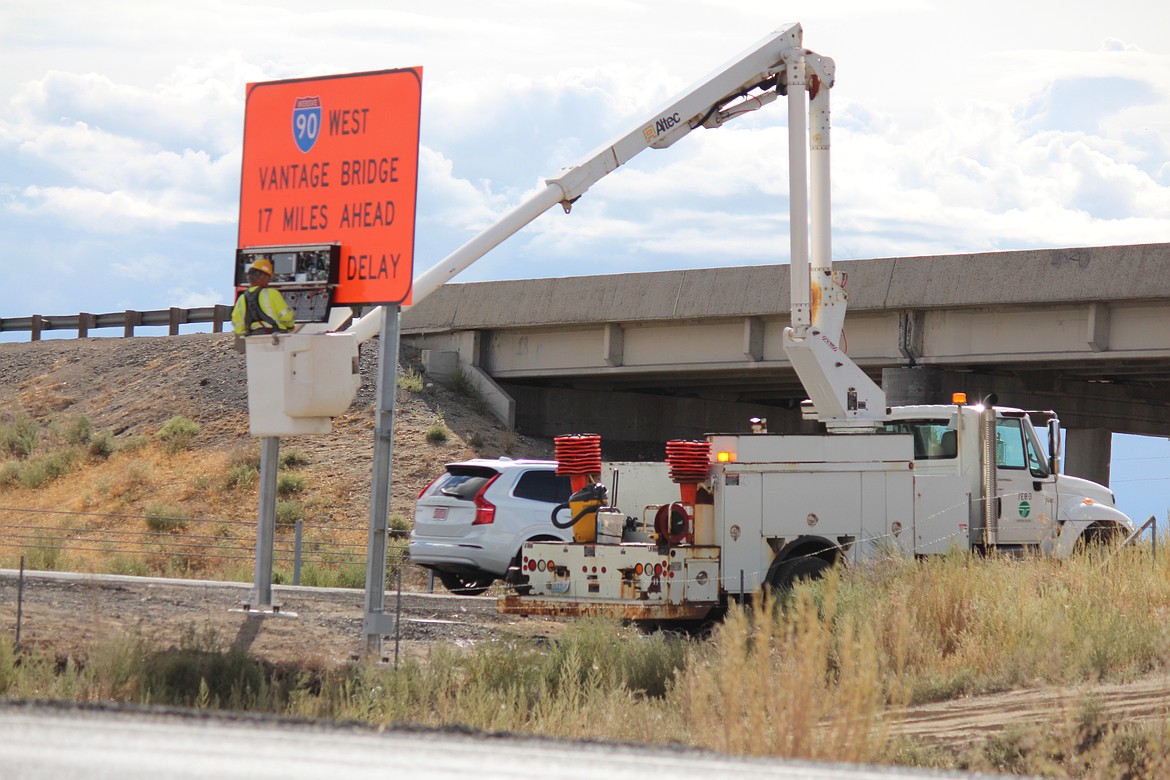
(49,741)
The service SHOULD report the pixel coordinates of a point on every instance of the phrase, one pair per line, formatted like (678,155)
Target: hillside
(131,387)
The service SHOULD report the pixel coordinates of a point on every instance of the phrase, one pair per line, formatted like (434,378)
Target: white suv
(471,522)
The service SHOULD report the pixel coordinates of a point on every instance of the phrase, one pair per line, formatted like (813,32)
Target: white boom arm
(774,66)
(743,84)
(846,400)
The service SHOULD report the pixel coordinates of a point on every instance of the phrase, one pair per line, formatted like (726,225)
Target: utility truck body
(780,508)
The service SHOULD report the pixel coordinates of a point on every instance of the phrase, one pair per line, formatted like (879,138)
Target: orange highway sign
(334,160)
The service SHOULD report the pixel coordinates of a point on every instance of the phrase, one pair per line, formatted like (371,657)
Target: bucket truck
(763,510)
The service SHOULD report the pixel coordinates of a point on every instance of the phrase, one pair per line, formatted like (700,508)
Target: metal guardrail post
(35,328)
(176,318)
(85,321)
(132,318)
(220,314)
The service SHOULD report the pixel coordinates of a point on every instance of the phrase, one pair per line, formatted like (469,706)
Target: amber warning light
(959,398)
(334,160)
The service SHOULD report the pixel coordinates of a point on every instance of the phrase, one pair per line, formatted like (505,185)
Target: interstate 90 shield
(306,122)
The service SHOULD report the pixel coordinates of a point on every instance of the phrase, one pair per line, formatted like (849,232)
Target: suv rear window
(543,486)
(462,482)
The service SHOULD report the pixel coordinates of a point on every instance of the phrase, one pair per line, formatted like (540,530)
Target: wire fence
(180,545)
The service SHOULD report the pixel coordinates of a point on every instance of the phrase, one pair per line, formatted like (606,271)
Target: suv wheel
(516,578)
(465,584)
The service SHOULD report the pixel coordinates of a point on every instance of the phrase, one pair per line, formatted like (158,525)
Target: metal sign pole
(261,597)
(377,623)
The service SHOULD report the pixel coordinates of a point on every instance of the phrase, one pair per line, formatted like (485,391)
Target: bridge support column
(1087,452)
(917,385)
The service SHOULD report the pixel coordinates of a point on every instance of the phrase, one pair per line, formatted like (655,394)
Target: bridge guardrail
(218,315)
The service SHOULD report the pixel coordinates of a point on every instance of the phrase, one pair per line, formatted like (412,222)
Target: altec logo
(306,122)
(650,132)
(667,122)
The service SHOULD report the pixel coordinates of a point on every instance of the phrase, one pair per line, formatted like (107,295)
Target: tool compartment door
(942,511)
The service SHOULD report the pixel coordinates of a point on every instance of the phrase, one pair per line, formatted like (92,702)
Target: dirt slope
(132,386)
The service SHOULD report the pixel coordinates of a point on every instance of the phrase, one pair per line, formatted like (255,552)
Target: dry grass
(820,675)
(963,624)
(798,679)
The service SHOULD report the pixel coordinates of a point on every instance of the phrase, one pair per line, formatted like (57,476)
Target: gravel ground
(68,615)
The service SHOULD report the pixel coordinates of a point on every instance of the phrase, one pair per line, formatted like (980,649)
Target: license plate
(440,513)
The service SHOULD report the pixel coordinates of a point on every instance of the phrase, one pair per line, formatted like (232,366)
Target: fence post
(129,320)
(35,327)
(398,614)
(297,552)
(19,605)
(85,321)
(176,318)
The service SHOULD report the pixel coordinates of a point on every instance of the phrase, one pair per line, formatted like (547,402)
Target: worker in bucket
(260,308)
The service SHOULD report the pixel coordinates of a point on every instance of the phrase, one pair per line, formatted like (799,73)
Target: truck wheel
(797,570)
(465,584)
(1097,538)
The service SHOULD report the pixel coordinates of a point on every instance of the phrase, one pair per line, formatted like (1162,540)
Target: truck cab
(1032,506)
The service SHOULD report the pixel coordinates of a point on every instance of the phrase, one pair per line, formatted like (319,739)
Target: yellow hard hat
(262,264)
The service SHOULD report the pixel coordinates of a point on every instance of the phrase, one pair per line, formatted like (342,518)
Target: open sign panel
(334,160)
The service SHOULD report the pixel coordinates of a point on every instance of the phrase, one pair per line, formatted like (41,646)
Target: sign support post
(377,623)
(261,597)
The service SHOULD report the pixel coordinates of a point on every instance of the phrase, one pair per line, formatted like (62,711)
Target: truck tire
(1098,538)
(802,569)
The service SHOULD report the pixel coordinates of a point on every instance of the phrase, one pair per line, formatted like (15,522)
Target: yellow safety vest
(261,310)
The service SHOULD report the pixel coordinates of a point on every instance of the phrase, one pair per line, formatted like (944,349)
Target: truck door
(1027,495)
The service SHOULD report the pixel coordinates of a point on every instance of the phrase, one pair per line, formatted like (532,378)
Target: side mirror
(1054,445)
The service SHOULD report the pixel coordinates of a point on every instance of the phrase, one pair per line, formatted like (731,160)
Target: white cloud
(451,201)
(191,299)
(112,212)
(152,267)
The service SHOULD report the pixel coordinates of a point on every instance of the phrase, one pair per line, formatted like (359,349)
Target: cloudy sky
(958,127)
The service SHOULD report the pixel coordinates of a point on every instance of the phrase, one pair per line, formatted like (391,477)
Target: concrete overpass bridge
(642,358)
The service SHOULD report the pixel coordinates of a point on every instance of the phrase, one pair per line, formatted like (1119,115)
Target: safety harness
(254,313)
